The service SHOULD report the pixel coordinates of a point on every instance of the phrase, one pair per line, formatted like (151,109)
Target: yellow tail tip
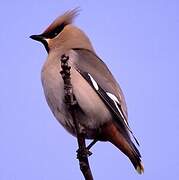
(140,168)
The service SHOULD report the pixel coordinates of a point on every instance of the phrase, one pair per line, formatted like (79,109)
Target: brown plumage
(65,19)
(102,109)
(113,134)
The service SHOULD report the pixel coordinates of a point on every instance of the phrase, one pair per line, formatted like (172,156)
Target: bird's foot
(92,144)
(83,153)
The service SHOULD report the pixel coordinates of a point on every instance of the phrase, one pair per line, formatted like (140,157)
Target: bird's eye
(56,33)
(53,33)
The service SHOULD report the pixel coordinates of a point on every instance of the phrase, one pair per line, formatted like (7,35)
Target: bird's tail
(125,144)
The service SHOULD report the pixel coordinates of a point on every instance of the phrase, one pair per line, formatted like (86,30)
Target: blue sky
(139,42)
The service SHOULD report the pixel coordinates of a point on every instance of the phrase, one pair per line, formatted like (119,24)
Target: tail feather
(113,134)
(135,159)
(140,169)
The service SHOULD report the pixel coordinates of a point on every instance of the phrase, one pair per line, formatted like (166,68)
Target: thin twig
(82,152)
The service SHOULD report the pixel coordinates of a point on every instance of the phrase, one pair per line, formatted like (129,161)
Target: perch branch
(82,152)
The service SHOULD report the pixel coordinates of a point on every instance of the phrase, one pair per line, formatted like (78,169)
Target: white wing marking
(93,82)
(114,98)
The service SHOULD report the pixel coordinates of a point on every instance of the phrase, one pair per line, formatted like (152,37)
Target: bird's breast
(92,112)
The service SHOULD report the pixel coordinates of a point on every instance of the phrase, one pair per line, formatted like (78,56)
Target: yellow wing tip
(140,168)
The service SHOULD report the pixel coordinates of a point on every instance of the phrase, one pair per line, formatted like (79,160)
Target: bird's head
(63,34)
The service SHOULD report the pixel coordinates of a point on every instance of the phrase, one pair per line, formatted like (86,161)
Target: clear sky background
(138,40)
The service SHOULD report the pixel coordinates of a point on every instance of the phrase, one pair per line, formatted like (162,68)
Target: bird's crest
(60,22)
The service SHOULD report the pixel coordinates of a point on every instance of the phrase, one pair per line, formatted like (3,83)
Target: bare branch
(82,152)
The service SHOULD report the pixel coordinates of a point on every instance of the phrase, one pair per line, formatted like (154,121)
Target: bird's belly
(91,112)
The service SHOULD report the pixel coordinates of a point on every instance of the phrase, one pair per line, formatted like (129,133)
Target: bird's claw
(83,153)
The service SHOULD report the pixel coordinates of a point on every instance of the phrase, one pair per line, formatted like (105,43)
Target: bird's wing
(93,69)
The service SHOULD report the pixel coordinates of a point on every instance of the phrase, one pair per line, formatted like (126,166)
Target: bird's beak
(37,38)
(41,39)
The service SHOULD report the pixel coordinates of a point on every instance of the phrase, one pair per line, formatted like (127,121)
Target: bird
(101,106)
